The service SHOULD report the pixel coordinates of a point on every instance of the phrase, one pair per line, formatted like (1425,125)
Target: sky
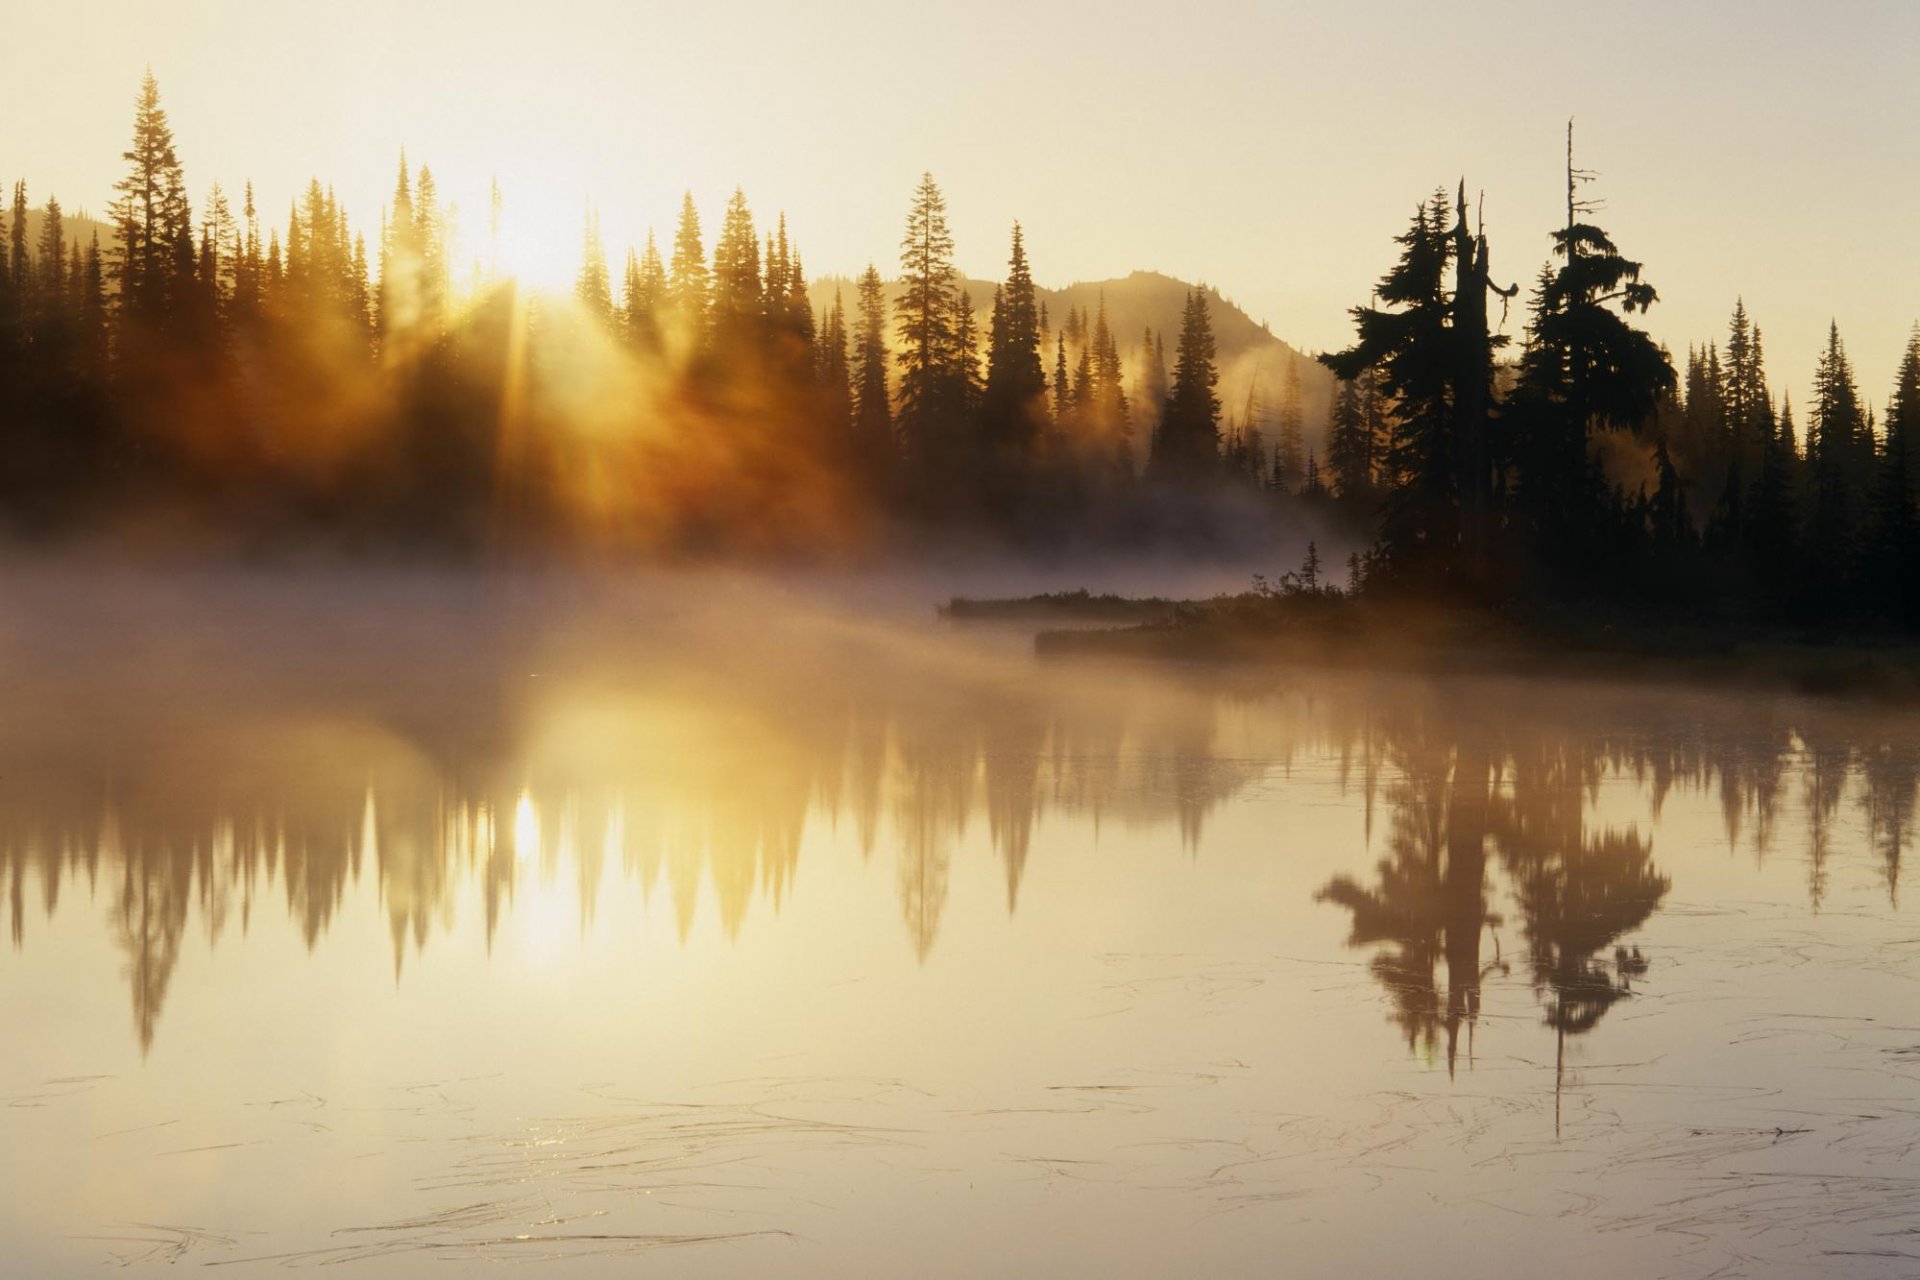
(1765,149)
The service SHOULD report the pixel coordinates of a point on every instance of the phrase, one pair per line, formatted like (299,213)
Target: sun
(527,222)
(541,253)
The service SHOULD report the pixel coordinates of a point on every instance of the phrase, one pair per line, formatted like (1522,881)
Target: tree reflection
(1526,787)
(704,780)
(1429,906)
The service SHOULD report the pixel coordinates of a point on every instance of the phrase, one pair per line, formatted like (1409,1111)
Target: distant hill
(77,228)
(1249,355)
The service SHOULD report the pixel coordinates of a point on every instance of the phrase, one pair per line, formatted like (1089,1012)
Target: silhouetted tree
(1186,446)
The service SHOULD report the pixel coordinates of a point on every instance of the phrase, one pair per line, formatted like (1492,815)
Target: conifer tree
(221,248)
(1186,447)
(21,262)
(1835,431)
(1105,413)
(151,217)
(924,316)
(872,404)
(1062,392)
(1289,460)
(429,243)
(1408,343)
(1347,446)
(1150,377)
(646,298)
(1893,532)
(592,288)
(738,303)
(689,284)
(969,386)
(833,364)
(1014,401)
(1585,368)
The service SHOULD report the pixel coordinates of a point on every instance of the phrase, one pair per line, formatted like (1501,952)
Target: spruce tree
(591,288)
(1893,523)
(1835,429)
(151,217)
(924,317)
(689,285)
(646,299)
(1347,446)
(1186,445)
(738,298)
(834,368)
(1408,345)
(1062,391)
(1014,401)
(872,403)
(1585,368)
(1289,459)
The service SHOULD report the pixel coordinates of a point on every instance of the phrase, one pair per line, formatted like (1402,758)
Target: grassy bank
(1338,631)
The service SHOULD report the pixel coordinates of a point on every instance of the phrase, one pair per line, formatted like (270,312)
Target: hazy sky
(1770,148)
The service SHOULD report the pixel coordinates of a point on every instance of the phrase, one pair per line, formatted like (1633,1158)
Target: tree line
(1586,465)
(286,376)
(280,378)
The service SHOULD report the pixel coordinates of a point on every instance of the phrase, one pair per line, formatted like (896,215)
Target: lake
(737,925)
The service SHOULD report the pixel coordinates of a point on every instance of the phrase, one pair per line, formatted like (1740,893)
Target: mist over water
(756,921)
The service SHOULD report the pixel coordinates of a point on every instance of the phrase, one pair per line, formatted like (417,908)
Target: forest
(212,377)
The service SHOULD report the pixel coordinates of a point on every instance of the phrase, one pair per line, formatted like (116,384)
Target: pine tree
(221,251)
(1835,430)
(834,368)
(966,344)
(1150,377)
(645,298)
(738,301)
(1348,447)
(1290,450)
(1585,368)
(1186,447)
(430,244)
(689,286)
(1312,487)
(799,301)
(591,288)
(872,404)
(1893,524)
(1104,418)
(1014,401)
(21,260)
(924,316)
(1408,345)
(397,300)
(152,218)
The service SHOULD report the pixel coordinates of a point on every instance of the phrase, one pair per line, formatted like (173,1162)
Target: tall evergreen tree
(645,298)
(1014,402)
(1585,368)
(689,284)
(1186,445)
(1836,431)
(591,288)
(1893,522)
(1347,447)
(1289,456)
(738,301)
(834,367)
(872,402)
(151,218)
(1408,342)
(924,316)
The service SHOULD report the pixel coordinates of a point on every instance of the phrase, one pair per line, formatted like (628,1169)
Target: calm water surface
(729,928)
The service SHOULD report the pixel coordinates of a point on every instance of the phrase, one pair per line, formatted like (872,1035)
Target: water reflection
(700,777)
